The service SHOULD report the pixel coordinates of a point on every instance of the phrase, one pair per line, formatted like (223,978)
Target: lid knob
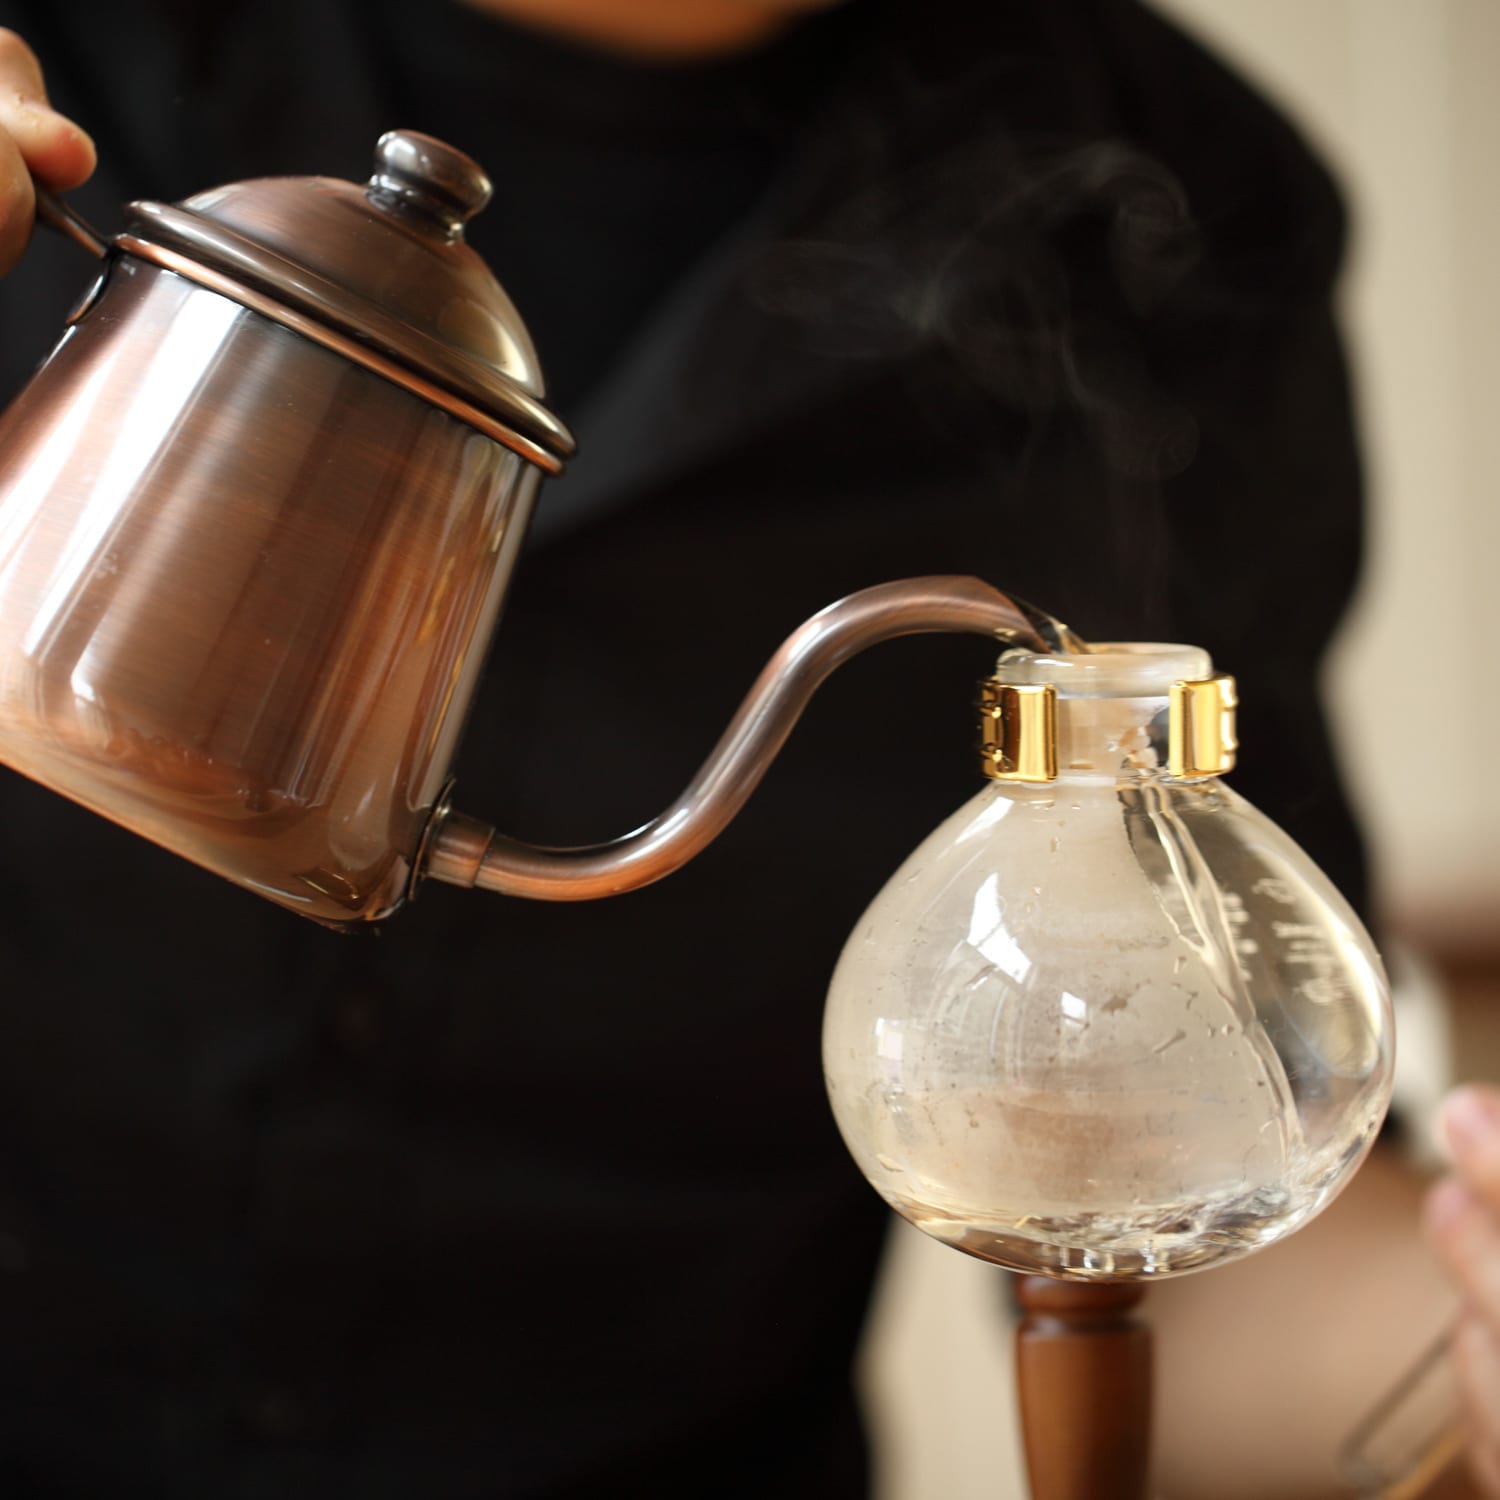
(425,176)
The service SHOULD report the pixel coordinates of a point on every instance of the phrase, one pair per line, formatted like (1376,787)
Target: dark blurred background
(1264,1366)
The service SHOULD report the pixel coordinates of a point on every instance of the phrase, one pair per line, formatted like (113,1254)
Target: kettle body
(247,582)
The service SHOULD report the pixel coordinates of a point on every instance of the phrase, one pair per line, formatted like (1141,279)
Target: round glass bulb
(1117,1024)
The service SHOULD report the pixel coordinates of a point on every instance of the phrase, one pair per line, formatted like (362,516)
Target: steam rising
(1033,274)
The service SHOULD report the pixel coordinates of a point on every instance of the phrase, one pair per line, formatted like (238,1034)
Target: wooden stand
(1083,1365)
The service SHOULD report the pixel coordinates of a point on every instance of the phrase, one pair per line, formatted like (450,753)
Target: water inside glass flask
(1112,1024)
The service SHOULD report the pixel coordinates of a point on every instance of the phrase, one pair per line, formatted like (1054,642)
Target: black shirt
(546,1201)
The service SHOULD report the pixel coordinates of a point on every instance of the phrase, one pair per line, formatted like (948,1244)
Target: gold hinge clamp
(1018,731)
(1201,739)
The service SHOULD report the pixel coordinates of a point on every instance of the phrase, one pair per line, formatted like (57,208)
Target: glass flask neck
(1112,705)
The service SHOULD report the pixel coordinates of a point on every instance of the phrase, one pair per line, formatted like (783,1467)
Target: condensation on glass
(1113,1025)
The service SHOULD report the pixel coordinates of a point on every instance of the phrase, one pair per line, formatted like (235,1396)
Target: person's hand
(1462,1220)
(34,138)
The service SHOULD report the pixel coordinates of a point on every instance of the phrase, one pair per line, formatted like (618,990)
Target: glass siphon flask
(1114,1023)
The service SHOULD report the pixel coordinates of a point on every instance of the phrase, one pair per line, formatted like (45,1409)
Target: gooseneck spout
(462,851)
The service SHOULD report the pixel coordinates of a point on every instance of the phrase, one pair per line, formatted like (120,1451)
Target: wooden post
(1083,1366)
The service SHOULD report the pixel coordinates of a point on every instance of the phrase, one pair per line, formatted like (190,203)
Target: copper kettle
(258,512)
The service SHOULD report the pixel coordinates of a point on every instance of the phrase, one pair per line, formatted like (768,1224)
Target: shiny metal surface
(1202,736)
(511,433)
(466,852)
(245,590)
(382,267)
(1018,731)
(429,178)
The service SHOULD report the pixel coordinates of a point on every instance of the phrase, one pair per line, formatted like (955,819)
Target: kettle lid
(380,272)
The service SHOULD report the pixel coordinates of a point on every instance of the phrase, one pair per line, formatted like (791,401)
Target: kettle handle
(57,216)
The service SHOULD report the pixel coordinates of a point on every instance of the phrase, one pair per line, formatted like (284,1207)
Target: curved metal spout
(464,852)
